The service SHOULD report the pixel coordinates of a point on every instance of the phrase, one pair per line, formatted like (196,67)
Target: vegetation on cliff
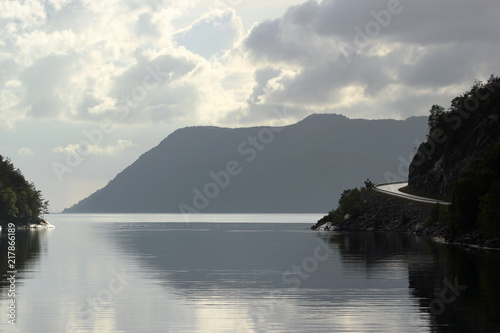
(20,202)
(460,159)
(349,205)
(476,196)
(457,136)
(364,209)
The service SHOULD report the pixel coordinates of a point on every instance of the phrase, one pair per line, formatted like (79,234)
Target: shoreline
(379,212)
(41,224)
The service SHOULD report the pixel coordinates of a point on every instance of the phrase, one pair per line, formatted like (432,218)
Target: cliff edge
(460,160)
(456,137)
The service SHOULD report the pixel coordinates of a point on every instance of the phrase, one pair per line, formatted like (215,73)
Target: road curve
(393,189)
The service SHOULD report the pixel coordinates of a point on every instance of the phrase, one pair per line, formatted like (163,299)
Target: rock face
(384,213)
(459,136)
(381,212)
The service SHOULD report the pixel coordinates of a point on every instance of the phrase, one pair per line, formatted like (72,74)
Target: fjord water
(242,273)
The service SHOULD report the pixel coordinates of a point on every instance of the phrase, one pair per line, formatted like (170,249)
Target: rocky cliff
(460,159)
(456,137)
(374,211)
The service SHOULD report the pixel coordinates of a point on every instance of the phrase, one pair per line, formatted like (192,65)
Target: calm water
(242,273)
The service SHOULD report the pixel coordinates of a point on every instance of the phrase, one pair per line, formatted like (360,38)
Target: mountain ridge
(292,168)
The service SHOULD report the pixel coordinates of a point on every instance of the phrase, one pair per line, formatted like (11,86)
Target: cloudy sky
(87,86)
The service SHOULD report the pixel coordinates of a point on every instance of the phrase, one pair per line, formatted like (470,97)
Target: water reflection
(456,287)
(281,278)
(227,277)
(28,244)
(452,289)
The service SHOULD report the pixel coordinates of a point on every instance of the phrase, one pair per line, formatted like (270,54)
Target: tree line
(20,202)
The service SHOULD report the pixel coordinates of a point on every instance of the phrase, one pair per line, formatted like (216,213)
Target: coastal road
(393,189)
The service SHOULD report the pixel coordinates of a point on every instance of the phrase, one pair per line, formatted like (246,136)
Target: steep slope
(457,137)
(296,168)
(459,159)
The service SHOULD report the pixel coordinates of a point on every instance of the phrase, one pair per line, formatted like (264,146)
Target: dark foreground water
(240,273)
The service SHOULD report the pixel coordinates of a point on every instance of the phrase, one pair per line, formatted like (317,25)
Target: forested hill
(297,168)
(20,202)
(461,159)
(457,136)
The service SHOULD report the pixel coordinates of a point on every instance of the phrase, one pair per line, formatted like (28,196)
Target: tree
(435,116)
(20,202)
(8,200)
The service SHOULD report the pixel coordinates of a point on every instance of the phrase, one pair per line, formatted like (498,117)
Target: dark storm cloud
(374,45)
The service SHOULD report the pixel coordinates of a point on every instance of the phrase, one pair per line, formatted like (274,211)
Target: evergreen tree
(20,202)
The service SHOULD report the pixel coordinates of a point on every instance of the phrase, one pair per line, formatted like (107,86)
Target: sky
(87,86)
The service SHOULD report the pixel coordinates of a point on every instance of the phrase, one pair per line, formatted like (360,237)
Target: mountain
(296,168)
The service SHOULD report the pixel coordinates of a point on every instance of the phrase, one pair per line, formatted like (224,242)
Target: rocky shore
(38,224)
(385,213)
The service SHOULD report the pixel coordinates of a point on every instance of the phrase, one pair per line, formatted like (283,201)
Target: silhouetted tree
(20,202)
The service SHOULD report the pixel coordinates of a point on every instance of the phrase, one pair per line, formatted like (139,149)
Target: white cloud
(85,148)
(73,63)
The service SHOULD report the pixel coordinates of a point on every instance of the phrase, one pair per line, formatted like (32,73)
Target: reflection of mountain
(436,276)
(200,257)
(29,244)
(365,272)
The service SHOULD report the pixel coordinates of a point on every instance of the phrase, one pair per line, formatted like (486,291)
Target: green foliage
(452,125)
(439,216)
(435,116)
(369,183)
(334,217)
(349,204)
(20,202)
(475,195)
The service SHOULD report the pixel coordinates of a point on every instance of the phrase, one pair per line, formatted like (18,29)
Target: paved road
(393,189)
